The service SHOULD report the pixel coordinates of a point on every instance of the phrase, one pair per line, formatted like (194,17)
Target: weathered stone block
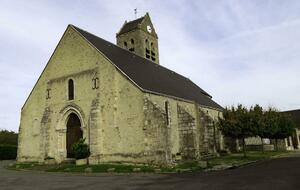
(111,169)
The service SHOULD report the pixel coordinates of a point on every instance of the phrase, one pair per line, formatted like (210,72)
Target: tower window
(152,52)
(71,89)
(147,53)
(147,49)
(125,44)
(132,45)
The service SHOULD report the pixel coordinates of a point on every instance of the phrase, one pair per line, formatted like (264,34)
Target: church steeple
(139,37)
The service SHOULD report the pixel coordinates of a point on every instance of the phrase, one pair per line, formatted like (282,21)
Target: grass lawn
(236,159)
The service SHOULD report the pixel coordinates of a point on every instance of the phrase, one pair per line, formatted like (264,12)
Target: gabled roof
(129,26)
(150,76)
(295,114)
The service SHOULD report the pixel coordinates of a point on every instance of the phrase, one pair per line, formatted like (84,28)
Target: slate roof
(129,26)
(295,114)
(150,76)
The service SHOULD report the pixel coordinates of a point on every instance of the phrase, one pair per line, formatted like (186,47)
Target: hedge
(8,152)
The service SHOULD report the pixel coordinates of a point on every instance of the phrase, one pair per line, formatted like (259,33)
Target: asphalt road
(281,173)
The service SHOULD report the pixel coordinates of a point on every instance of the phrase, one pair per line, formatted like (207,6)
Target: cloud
(238,51)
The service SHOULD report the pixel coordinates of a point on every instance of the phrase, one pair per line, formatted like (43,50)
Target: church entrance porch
(74,133)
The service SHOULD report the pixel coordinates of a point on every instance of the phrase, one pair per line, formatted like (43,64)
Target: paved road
(281,173)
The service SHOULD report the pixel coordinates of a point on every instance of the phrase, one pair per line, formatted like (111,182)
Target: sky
(239,51)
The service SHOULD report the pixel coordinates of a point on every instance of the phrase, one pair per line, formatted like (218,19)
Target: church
(128,107)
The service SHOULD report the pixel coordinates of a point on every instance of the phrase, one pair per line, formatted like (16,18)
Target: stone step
(69,161)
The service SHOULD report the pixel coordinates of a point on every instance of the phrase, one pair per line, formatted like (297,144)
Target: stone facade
(120,122)
(141,40)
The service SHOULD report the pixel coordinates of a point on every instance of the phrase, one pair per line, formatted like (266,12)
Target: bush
(8,152)
(8,137)
(81,149)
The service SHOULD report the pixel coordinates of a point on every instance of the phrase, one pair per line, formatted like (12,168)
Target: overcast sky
(239,51)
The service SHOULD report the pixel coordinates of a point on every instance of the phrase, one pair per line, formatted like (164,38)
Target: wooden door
(74,133)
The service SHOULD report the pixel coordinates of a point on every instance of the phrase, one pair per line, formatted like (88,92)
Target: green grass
(239,159)
(101,168)
(232,159)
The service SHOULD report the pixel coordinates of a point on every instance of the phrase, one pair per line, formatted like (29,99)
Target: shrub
(81,149)
(8,152)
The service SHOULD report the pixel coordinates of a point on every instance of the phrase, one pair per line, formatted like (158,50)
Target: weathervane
(135,12)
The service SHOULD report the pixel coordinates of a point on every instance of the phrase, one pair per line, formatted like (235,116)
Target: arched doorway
(74,133)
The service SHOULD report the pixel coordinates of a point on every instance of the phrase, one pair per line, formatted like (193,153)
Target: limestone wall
(121,116)
(43,117)
(192,128)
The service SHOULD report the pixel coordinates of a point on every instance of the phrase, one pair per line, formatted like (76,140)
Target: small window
(132,41)
(95,83)
(131,49)
(71,89)
(125,44)
(48,94)
(167,112)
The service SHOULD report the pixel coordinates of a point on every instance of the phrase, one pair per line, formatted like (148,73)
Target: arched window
(132,45)
(125,44)
(71,89)
(152,52)
(147,49)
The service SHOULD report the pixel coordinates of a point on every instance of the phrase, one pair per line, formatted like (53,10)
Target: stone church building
(119,98)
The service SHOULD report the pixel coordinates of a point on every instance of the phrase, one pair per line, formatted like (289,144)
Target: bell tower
(139,37)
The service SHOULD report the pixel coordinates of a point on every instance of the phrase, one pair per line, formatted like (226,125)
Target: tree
(257,122)
(270,123)
(8,145)
(8,137)
(284,127)
(236,123)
